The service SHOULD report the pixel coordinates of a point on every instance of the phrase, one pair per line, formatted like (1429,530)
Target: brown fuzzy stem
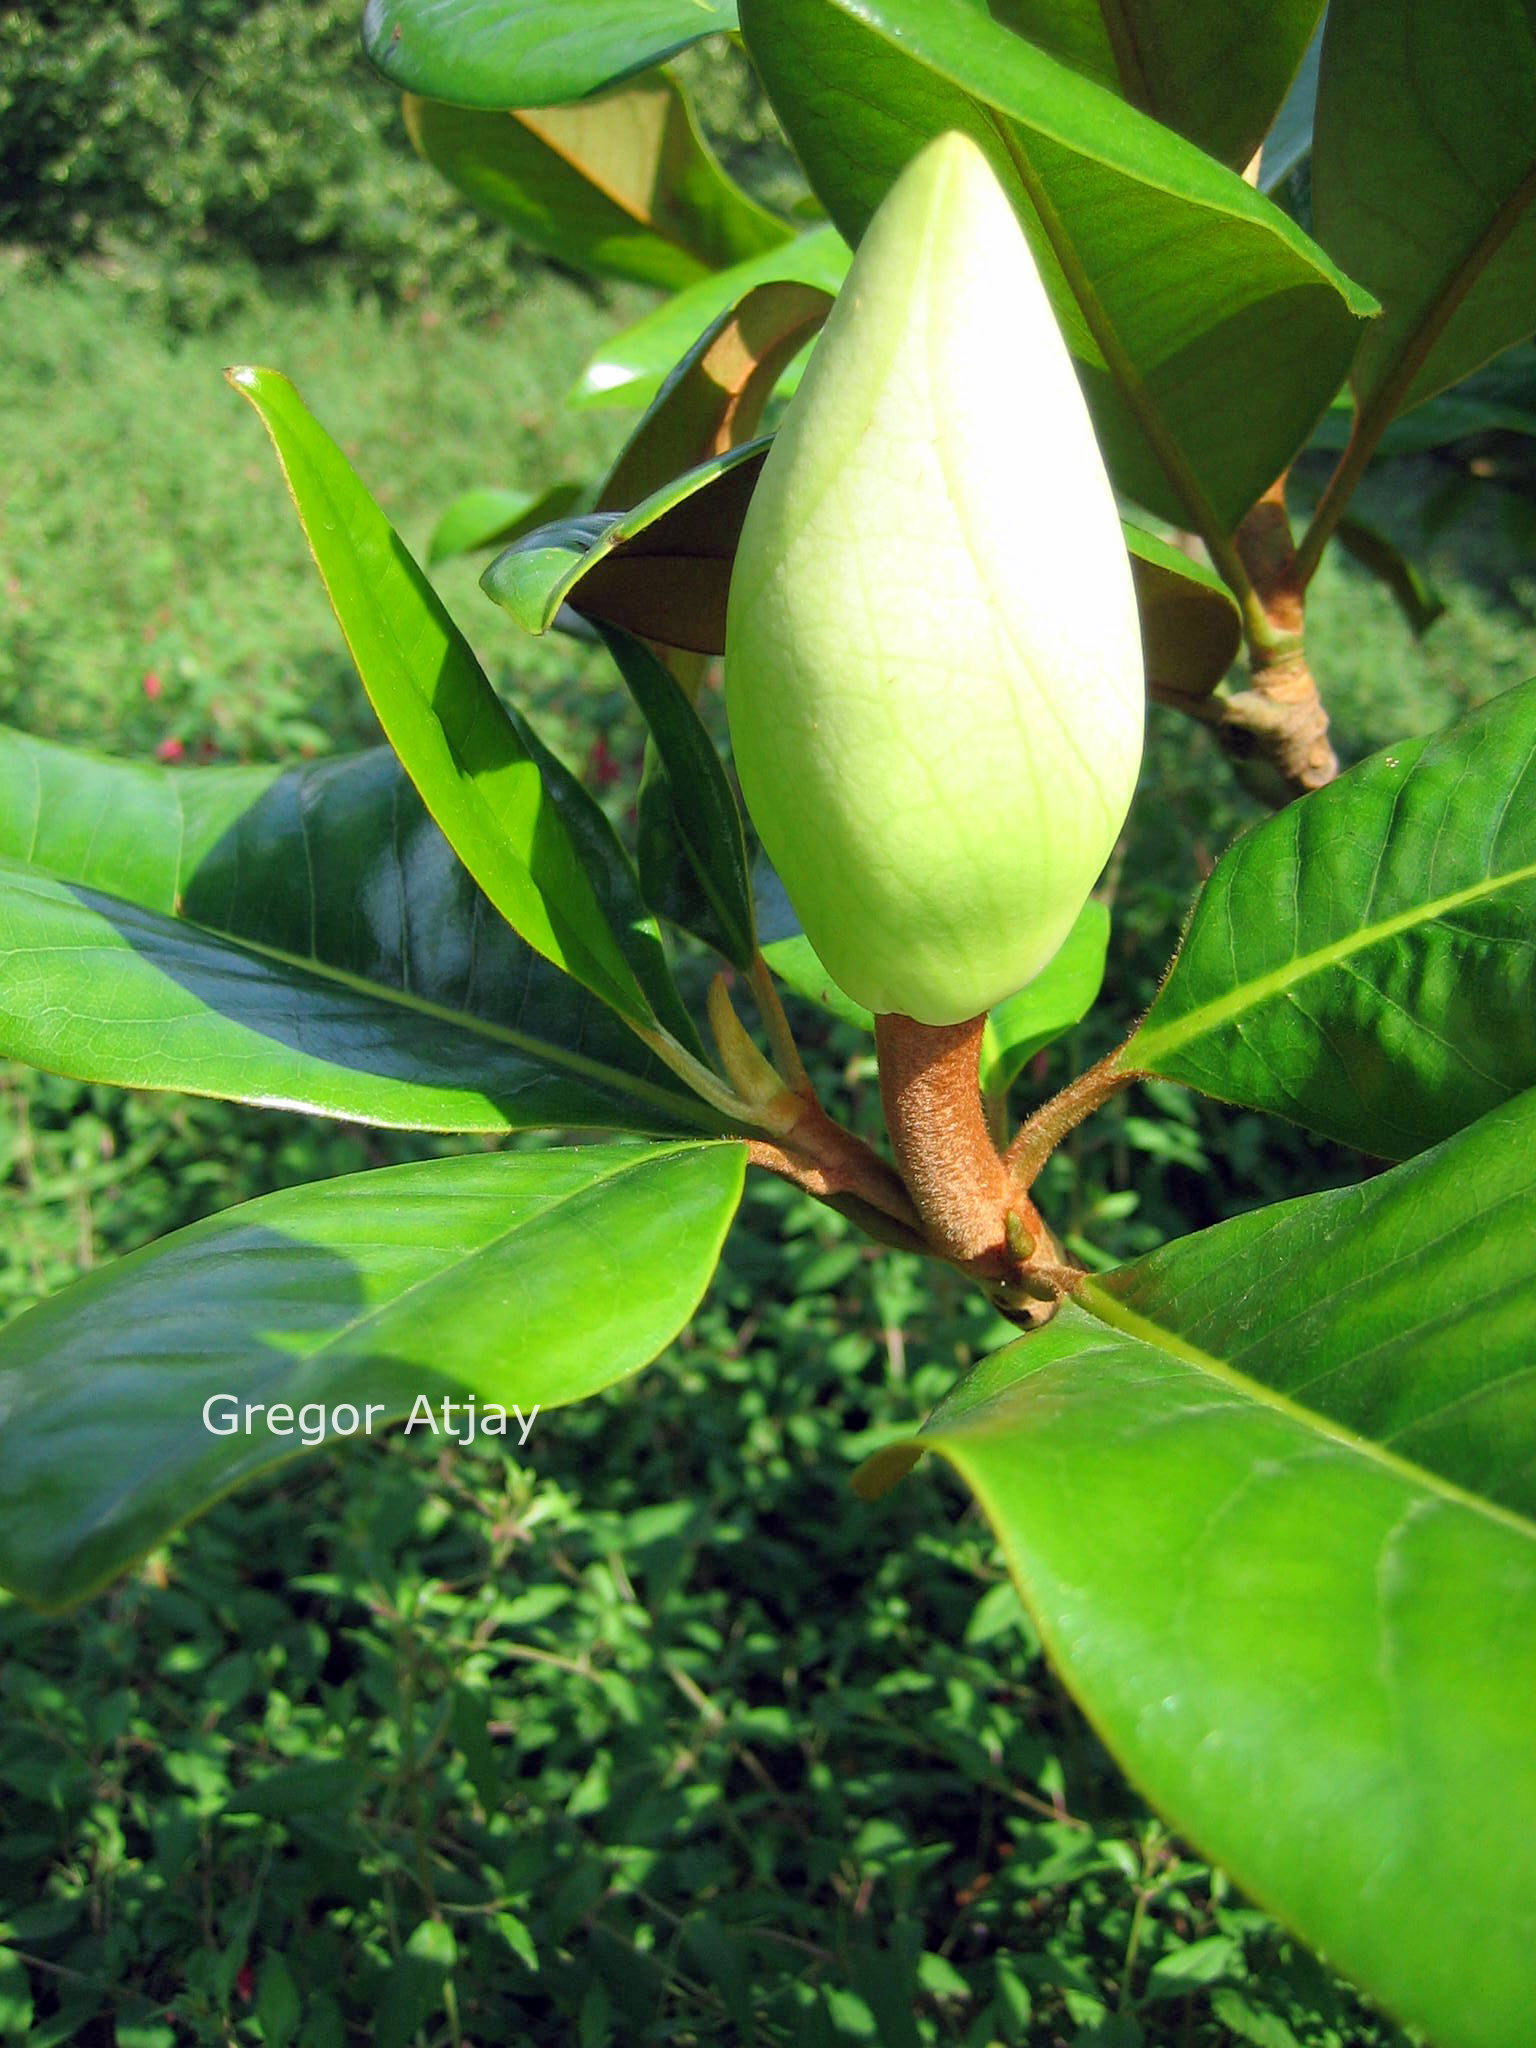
(1280,718)
(933,1111)
(831,1163)
(1038,1138)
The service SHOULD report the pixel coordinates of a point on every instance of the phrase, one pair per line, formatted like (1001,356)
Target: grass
(145,531)
(650,1735)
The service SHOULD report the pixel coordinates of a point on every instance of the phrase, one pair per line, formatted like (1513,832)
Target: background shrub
(206,139)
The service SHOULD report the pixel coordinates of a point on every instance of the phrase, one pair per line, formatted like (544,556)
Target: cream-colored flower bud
(933,659)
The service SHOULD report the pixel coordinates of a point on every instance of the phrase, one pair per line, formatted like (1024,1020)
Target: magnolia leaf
(713,401)
(1362,963)
(702,809)
(1209,331)
(633,365)
(1423,183)
(661,570)
(467,757)
(1400,1309)
(1191,628)
(1058,997)
(1438,423)
(530,53)
(526,1280)
(492,518)
(1417,598)
(1217,71)
(623,185)
(794,960)
(1314,1658)
(1289,140)
(303,937)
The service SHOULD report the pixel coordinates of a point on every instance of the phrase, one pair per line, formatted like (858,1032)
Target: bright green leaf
(1217,71)
(304,937)
(1052,1003)
(1362,963)
(622,185)
(1176,1974)
(459,746)
(491,518)
(1400,1309)
(713,400)
(513,1279)
(1316,1661)
(529,53)
(1209,331)
(634,364)
(795,961)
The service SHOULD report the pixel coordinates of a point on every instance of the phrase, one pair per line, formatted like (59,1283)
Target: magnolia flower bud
(933,659)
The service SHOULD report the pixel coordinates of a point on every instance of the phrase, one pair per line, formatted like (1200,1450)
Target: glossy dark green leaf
(530,53)
(1316,1660)
(668,880)
(303,937)
(1058,997)
(798,965)
(622,185)
(707,819)
(1191,628)
(1401,1309)
(1424,185)
(661,570)
(713,401)
(1416,597)
(1217,71)
(455,740)
(1362,963)
(1288,142)
(491,518)
(1209,331)
(632,366)
(613,876)
(1437,423)
(509,1279)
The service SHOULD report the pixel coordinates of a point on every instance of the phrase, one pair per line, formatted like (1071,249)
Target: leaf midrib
(1097,1302)
(1148,1046)
(596,974)
(1235,204)
(541,1051)
(286,1362)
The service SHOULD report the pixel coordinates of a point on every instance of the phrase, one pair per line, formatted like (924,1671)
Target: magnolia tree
(1265,1491)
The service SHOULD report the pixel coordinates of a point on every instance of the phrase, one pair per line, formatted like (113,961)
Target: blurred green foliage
(650,1733)
(205,140)
(650,1736)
